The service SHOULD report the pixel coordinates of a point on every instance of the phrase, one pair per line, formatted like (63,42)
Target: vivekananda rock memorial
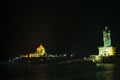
(106,54)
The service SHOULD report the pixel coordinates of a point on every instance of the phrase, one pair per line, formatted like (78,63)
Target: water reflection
(105,71)
(63,72)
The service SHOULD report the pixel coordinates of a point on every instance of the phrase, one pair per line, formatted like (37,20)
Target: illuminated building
(40,52)
(107,49)
(36,57)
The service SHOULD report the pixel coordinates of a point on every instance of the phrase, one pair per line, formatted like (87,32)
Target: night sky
(61,26)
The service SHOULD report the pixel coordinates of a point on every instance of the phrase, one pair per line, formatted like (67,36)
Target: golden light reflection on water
(105,72)
(65,72)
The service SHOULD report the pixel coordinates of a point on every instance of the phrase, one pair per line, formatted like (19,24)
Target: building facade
(40,52)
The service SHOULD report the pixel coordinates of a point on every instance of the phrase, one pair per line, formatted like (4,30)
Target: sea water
(61,72)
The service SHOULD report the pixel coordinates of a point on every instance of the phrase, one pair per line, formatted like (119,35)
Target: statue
(106,37)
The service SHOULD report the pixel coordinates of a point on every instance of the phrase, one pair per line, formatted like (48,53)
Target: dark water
(61,72)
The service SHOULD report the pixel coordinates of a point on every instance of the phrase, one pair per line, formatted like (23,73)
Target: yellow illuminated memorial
(40,52)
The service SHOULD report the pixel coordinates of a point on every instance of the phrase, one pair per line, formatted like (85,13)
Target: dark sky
(62,26)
